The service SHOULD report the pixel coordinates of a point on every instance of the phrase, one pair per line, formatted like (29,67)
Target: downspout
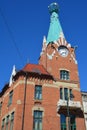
(24,103)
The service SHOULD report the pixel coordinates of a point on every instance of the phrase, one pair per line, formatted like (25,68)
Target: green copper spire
(55,29)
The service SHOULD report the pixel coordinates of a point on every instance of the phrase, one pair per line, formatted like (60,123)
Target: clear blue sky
(29,22)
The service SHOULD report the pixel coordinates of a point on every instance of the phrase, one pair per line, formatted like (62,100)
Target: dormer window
(64,75)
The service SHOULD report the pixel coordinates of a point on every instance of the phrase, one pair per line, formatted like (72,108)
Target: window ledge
(68,81)
(37,101)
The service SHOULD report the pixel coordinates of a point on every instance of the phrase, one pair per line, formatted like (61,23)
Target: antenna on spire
(53,7)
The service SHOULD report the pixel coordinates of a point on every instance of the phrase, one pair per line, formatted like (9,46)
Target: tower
(57,53)
(59,59)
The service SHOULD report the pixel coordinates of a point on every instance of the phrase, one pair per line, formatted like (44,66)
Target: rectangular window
(64,75)
(65,93)
(61,93)
(12,121)
(64,125)
(0,107)
(10,98)
(73,122)
(63,122)
(7,122)
(3,124)
(37,120)
(38,92)
(70,94)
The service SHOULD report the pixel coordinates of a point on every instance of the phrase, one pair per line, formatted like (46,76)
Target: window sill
(37,101)
(68,81)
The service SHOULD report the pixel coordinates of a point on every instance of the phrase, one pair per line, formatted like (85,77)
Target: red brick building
(45,96)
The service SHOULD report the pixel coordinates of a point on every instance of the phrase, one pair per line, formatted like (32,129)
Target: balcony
(75,107)
(85,106)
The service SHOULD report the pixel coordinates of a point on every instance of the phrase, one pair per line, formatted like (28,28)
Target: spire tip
(53,7)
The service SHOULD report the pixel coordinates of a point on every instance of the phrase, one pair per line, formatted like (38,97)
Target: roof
(55,29)
(36,68)
(4,89)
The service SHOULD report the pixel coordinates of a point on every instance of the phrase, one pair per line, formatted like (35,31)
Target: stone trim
(68,85)
(50,85)
(64,69)
(17,84)
(38,108)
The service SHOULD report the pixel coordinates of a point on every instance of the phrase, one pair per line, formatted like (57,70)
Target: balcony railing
(72,104)
(85,107)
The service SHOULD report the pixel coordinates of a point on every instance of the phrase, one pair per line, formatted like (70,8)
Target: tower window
(64,75)
(38,92)
(37,120)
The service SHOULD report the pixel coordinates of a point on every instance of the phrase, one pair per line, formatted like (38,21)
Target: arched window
(64,75)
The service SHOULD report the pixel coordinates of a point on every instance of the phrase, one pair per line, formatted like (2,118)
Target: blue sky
(29,21)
